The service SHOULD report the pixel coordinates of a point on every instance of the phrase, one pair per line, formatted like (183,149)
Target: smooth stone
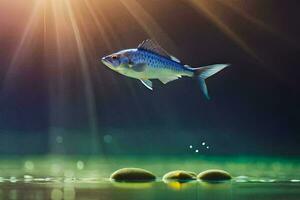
(214,175)
(132,175)
(180,176)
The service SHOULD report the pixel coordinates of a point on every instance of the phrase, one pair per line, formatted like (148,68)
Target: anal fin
(147,83)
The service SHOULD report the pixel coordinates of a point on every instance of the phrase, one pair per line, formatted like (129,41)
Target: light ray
(57,86)
(89,95)
(26,38)
(204,7)
(256,21)
(107,26)
(98,24)
(147,22)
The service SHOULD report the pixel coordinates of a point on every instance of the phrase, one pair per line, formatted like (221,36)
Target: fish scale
(157,61)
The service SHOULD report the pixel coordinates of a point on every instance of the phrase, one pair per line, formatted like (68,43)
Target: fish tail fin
(201,73)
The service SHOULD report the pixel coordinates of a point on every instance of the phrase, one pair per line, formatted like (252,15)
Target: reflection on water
(109,190)
(104,189)
(57,178)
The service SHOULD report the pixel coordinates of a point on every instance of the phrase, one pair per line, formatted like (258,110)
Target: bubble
(59,139)
(203,143)
(191,146)
(28,165)
(107,139)
(56,194)
(80,165)
(196,150)
(207,147)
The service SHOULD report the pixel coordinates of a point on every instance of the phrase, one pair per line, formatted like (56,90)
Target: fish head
(116,61)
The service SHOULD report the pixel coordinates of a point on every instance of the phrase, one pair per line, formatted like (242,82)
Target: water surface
(80,177)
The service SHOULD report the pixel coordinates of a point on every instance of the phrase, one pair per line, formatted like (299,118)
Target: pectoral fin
(168,79)
(140,67)
(147,83)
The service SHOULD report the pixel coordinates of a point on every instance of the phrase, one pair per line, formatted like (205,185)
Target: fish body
(148,65)
(150,61)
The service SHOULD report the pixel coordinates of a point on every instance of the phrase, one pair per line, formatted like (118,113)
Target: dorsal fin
(152,46)
(175,59)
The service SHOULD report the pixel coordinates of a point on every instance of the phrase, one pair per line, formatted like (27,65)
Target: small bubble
(59,139)
(191,146)
(196,150)
(207,147)
(80,165)
(107,139)
(28,165)
(203,143)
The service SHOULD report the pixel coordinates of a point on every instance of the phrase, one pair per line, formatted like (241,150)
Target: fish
(150,61)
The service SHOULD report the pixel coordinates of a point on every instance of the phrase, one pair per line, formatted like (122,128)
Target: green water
(70,177)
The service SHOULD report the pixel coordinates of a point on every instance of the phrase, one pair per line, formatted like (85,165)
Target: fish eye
(114,57)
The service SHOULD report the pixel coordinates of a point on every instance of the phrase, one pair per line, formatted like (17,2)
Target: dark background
(254,106)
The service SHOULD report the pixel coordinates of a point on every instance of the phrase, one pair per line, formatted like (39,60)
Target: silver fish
(150,61)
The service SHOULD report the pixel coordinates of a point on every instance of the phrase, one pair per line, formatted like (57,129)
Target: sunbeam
(23,46)
(147,22)
(259,23)
(90,99)
(99,24)
(204,6)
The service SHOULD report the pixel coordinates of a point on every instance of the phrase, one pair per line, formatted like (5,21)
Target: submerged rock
(132,175)
(179,176)
(214,175)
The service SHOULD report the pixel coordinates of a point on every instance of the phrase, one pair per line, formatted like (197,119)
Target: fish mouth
(105,60)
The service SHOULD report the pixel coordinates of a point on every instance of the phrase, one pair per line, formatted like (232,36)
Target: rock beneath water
(179,176)
(214,175)
(132,175)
